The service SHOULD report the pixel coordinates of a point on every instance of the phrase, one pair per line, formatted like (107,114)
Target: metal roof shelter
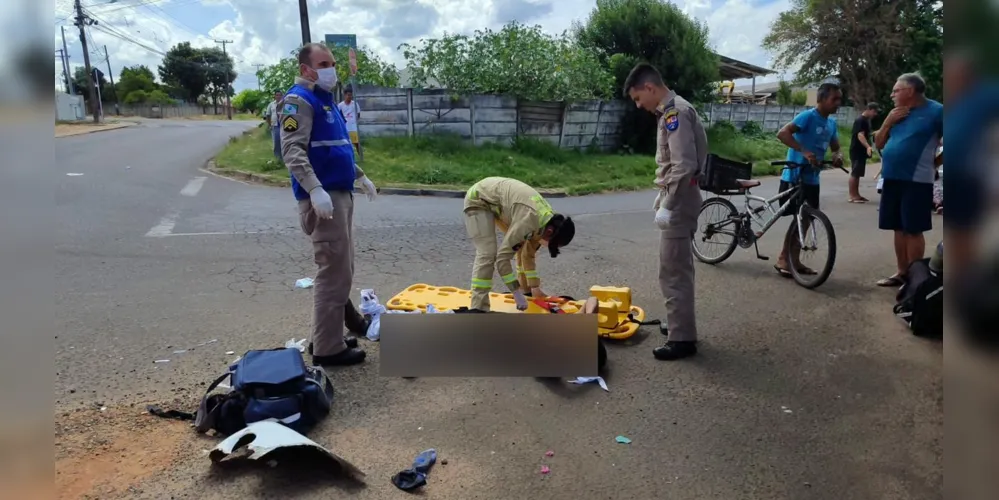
(732,69)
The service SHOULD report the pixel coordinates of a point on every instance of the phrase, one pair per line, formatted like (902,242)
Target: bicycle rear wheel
(717,221)
(816,223)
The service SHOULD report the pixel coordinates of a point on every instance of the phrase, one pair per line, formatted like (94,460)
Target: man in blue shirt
(808,137)
(908,141)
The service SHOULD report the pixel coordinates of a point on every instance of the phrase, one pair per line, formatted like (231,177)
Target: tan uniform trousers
(676,280)
(481,227)
(333,246)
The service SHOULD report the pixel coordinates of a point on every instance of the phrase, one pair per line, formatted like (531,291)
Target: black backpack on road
(920,300)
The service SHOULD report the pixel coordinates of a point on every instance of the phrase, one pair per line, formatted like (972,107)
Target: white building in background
(69,107)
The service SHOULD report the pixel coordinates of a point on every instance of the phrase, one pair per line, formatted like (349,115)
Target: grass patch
(448,162)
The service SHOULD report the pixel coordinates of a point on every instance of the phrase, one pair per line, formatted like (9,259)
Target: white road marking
(74,174)
(193,186)
(164,228)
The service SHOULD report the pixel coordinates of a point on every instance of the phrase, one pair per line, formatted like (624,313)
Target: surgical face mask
(327,78)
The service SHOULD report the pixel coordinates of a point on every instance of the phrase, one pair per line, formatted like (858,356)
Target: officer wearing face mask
(316,148)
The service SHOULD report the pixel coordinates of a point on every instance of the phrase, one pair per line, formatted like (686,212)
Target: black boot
(350,341)
(673,350)
(351,356)
(355,322)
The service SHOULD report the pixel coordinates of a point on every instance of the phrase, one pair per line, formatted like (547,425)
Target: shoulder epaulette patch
(672,120)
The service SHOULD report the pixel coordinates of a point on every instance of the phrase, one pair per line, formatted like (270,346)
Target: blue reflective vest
(330,151)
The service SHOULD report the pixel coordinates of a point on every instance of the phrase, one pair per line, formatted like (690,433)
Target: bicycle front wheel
(717,229)
(813,250)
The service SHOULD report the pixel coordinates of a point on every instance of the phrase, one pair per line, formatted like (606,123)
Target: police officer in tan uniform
(316,148)
(681,154)
(527,222)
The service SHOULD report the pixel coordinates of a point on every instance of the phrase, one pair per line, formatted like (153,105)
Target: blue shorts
(906,206)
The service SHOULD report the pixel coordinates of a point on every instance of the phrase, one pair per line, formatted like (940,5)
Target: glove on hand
(662,217)
(321,203)
(521,300)
(369,188)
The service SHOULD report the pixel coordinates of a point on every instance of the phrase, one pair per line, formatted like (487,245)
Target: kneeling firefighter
(527,222)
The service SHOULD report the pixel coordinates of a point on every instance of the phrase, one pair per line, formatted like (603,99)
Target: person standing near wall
(861,148)
(681,155)
(351,114)
(271,115)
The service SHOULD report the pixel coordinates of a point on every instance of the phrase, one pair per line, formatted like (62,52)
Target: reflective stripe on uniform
(509,278)
(481,283)
(333,143)
(531,274)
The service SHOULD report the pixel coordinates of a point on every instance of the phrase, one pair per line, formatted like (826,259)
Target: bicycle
(740,225)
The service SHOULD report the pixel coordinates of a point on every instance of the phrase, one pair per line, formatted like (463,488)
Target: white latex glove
(662,217)
(521,300)
(369,188)
(321,203)
(659,200)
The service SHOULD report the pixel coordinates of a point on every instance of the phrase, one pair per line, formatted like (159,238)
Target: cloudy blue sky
(265,30)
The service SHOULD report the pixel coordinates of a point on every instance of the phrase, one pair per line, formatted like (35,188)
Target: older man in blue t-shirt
(807,138)
(908,141)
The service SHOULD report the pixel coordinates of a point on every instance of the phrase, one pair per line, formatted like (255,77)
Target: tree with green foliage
(622,33)
(866,45)
(220,73)
(371,70)
(183,69)
(250,101)
(80,82)
(785,94)
(518,60)
(135,78)
(625,32)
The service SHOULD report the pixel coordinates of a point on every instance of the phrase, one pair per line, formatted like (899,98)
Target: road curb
(116,126)
(280,182)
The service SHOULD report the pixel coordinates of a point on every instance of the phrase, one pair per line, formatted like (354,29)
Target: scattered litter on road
(304,283)
(786,409)
(587,380)
(414,477)
(162,361)
(295,344)
(622,440)
(230,353)
(545,470)
(371,307)
(73,174)
(212,341)
(156,411)
(180,351)
(268,436)
(549,453)
(104,408)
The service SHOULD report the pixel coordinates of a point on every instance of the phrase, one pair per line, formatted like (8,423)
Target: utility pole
(65,74)
(81,22)
(258,66)
(228,103)
(303,13)
(114,91)
(65,53)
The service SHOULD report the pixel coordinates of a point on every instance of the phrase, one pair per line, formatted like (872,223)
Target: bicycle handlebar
(791,164)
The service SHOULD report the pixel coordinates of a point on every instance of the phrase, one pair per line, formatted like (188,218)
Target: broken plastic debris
(304,283)
(587,380)
(180,351)
(230,353)
(545,469)
(786,409)
(162,361)
(293,344)
(267,436)
(371,307)
(622,440)
(549,453)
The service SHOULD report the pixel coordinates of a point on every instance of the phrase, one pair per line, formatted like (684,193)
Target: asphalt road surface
(795,394)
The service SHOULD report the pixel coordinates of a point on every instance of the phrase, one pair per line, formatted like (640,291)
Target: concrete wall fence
(165,111)
(485,119)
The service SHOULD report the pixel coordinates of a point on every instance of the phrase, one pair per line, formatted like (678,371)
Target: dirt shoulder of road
(105,452)
(70,129)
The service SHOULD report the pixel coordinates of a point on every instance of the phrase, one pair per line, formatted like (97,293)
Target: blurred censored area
(488,345)
(26,274)
(971,242)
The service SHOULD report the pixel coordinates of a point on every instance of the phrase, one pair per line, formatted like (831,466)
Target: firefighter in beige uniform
(527,222)
(681,154)
(317,150)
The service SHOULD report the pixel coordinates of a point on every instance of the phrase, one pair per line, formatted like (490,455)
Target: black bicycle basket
(720,175)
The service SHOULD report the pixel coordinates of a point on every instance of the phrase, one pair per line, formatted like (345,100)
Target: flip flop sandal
(783,272)
(807,271)
(858,201)
(894,281)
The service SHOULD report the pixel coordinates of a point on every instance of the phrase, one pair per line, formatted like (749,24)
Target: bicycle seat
(746,184)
